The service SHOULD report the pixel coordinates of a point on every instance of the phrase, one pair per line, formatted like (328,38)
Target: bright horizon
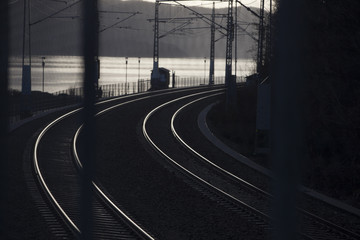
(248,3)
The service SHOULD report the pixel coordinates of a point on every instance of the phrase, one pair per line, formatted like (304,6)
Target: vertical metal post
(229,40)
(236,37)
(268,44)
(4,106)
(260,38)
(173,79)
(155,72)
(286,122)
(90,51)
(24,30)
(204,70)
(212,47)
(29,15)
(139,75)
(26,69)
(43,75)
(230,86)
(126,63)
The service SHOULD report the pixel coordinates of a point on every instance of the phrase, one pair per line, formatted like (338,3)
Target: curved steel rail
(41,178)
(133,224)
(39,174)
(177,136)
(186,171)
(247,184)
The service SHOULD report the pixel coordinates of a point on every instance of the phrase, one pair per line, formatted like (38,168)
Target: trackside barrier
(41,102)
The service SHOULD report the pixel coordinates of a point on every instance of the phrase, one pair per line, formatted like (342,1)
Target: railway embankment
(328,172)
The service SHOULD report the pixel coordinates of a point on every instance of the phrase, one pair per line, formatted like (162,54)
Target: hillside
(61,34)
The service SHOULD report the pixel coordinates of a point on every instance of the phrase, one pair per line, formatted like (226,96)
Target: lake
(63,72)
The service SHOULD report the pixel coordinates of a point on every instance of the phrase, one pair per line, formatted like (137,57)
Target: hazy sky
(250,3)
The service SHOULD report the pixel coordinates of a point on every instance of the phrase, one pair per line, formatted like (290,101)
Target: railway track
(57,171)
(162,180)
(60,181)
(57,164)
(252,201)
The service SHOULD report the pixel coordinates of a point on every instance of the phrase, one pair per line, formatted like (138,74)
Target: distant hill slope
(61,34)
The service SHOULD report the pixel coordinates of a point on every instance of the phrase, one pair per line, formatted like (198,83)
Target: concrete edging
(231,152)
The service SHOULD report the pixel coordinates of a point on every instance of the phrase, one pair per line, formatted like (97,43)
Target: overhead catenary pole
(235,33)
(155,71)
(212,47)
(204,70)
(260,56)
(24,29)
(229,40)
(43,73)
(126,83)
(229,81)
(268,46)
(29,10)
(139,59)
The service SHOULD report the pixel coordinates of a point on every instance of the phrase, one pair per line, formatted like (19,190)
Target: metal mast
(155,71)
(212,47)
(268,50)
(229,40)
(236,37)
(260,56)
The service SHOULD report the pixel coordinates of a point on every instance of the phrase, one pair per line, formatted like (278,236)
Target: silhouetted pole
(260,56)
(236,38)
(229,40)
(23,47)
(139,75)
(212,47)
(43,73)
(286,126)
(229,81)
(204,70)
(4,105)
(90,52)
(173,79)
(29,24)
(126,63)
(155,72)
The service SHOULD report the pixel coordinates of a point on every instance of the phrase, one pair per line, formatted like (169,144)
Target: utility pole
(260,56)
(26,69)
(230,82)
(268,44)
(229,40)
(29,10)
(212,47)
(235,33)
(43,73)
(139,75)
(155,71)
(204,69)
(126,63)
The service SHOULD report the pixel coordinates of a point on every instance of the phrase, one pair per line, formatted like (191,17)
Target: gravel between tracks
(152,191)
(23,219)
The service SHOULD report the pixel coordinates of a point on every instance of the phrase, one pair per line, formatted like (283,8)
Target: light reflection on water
(63,72)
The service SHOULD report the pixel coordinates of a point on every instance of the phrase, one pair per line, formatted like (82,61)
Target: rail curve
(329,227)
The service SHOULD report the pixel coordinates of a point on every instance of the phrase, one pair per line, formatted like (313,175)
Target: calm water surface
(63,72)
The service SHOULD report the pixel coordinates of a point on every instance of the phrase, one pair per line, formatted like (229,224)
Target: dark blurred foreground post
(4,103)
(90,52)
(286,133)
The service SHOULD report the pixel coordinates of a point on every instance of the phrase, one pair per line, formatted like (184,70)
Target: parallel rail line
(253,211)
(260,217)
(49,193)
(330,227)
